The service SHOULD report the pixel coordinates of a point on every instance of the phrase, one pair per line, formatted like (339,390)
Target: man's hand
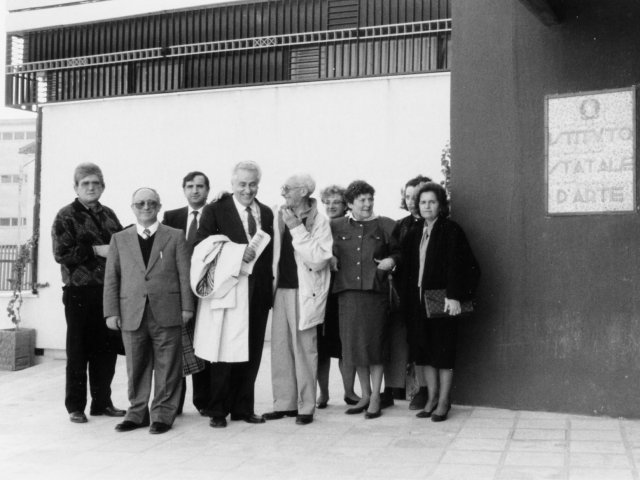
(452,306)
(385,264)
(114,323)
(101,250)
(249,254)
(186,316)
(290,218)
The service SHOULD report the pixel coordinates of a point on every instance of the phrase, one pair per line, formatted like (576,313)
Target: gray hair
(306,181)
(249,165)
(84,170)
(147,188)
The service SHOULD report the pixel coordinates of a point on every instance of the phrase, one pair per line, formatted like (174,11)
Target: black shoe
(425,413)
(440,418)
(110,411)
(371,415)
(78,417)
(159,427)
(356,410)
(322,404)
(203,412)
(250,418)
(218,422)
(350,401)
(386,400)
(304,419)
(399,393)
(419,400)
(128,425)
(278,414)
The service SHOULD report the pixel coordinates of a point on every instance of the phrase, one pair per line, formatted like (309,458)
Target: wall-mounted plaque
(591,164)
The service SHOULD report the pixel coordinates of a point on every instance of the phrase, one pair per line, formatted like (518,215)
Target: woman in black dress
(436,256)
(329,345)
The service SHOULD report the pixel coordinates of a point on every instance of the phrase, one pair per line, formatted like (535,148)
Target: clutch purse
(434,304)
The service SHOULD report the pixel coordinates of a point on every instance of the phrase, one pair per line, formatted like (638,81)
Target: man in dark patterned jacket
(81,234)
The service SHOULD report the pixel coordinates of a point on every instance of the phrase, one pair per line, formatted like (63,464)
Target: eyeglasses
(287,188)
(152,204)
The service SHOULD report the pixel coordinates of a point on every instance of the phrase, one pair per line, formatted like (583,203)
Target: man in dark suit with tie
(147,296)
(239,216)
(195,186)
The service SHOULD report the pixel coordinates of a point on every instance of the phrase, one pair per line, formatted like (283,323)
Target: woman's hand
(452,306)
(385,264)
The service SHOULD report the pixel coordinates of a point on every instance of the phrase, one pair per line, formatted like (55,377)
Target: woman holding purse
(436,257)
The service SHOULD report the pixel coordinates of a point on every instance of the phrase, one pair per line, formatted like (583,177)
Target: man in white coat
(302,250)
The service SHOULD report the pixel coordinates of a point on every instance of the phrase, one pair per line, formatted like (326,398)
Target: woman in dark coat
(437,256)
(366,251)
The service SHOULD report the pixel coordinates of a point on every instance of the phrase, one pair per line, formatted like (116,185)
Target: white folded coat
(222,320)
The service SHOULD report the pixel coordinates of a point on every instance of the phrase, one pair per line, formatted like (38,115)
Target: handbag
(434,304)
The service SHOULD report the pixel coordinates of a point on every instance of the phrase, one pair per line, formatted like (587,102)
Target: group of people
(191,295)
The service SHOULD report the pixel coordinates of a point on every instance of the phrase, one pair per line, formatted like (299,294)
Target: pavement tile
(596,447)
(596,435)
(593,423)
(477,444)
(463,472)
(535,459)
(602,460)
(539,434)
(530,473)
(599,474)
(471,457)
(538,445)
(477,432)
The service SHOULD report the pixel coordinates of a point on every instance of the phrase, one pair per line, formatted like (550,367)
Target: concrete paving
(37,441)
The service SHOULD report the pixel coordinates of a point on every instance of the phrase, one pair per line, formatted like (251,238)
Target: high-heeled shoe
(356,410)
(426,413)
(370,415)
(350,401)
(440,418)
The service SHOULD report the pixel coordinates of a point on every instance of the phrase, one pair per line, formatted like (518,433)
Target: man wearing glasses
(147,296)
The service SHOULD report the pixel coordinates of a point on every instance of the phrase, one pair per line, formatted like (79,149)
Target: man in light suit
(147,296)
(195,186)
(239,216)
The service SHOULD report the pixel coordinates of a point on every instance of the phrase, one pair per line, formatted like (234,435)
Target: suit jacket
(176,218)
(449,263)
(164,282)
(222,218)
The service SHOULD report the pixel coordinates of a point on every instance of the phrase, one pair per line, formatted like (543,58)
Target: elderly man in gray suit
(147,295)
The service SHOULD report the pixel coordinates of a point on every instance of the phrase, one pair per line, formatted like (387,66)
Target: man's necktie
(146,234)
(252,223)
(193,229)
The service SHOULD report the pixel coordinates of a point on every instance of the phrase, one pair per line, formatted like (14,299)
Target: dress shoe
(356,410)
(218,422)
(128,425)
(322,404)
(426,413)
(440,418)
(278,414)
(203,412)
(250,418)
(386,400)
(109,411)
(399,393)
(304,419)
(419,400)
(159,427)
(350,401)
(78,417)
(371,415)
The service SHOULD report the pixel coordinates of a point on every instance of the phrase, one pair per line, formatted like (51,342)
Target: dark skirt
(363,327)
(432,341)
(329,345)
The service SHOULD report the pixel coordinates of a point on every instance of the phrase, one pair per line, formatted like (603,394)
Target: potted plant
(17,345)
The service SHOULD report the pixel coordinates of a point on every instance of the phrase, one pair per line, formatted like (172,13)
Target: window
(7,135)
(12,221)
(31,135)
(12,179)
(18,135)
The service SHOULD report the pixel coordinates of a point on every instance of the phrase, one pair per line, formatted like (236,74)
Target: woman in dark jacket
(366,251)
(436,256)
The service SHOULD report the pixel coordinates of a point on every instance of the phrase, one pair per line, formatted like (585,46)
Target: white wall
(383,130)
